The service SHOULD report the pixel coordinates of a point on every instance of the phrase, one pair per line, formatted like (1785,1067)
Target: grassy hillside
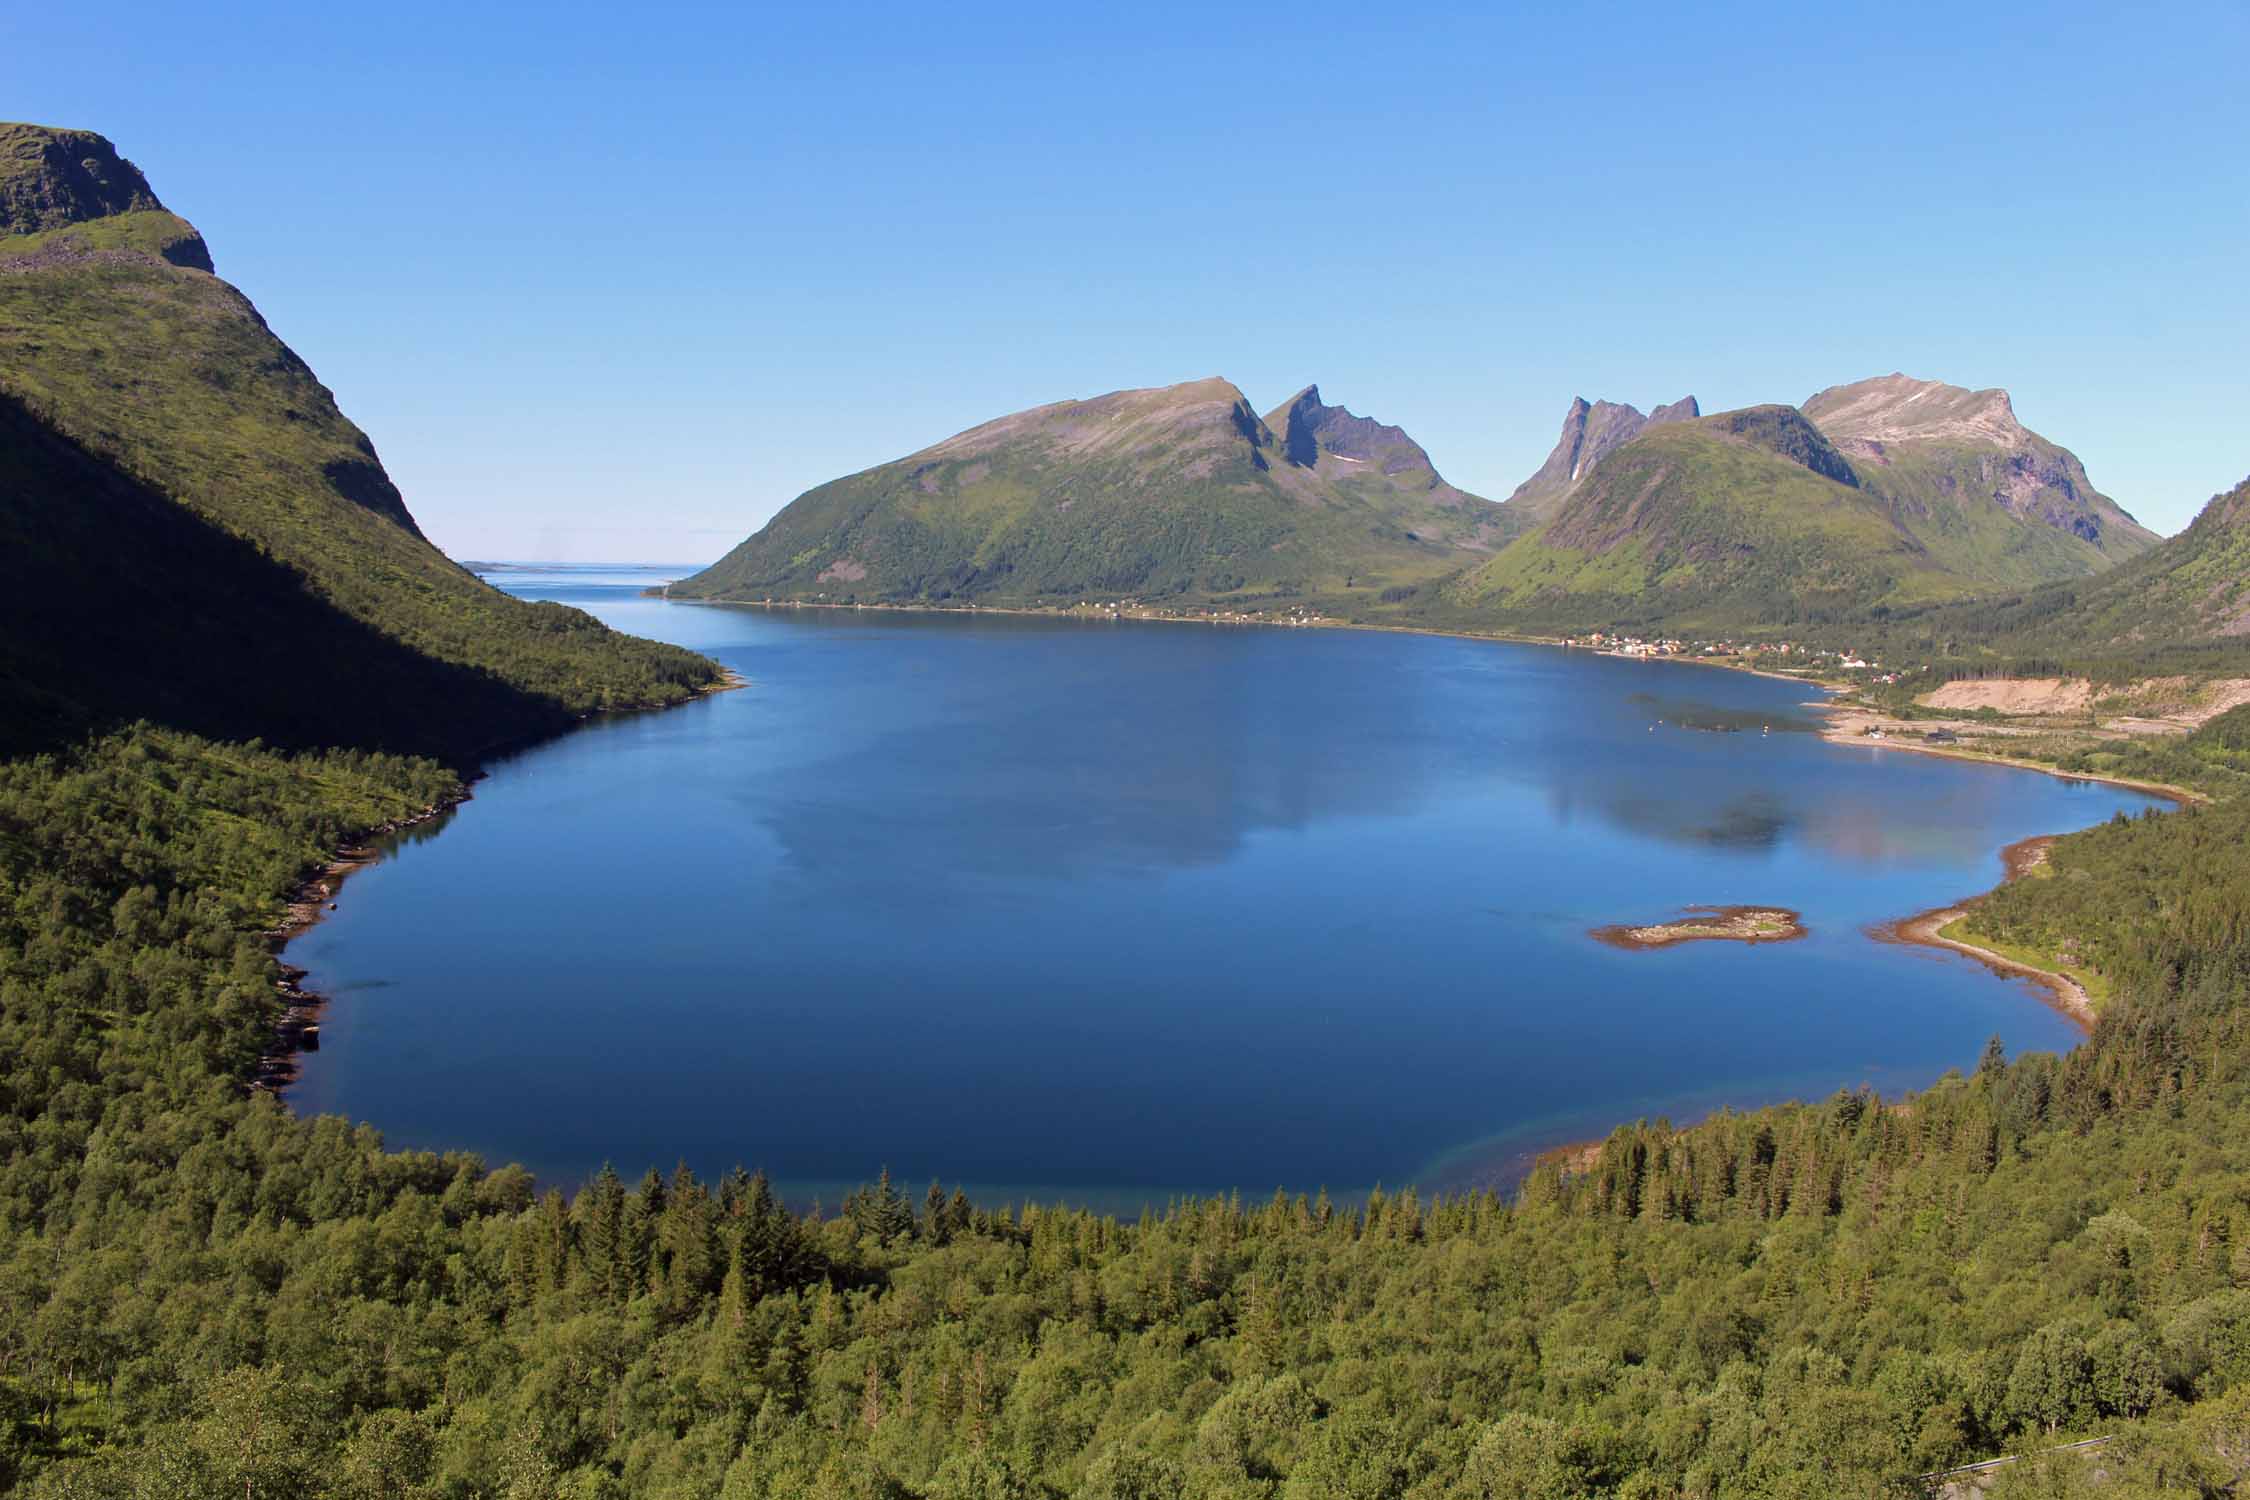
(131,378)
(1176,493)
(1742,518)
(2183,607)
(1883,497)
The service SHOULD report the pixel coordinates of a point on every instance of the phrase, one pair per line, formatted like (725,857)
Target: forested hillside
(203,1296)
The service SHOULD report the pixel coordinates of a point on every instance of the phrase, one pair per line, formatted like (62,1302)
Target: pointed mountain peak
(1686,409)
(1308,428)
(1297,422)
(1588,432)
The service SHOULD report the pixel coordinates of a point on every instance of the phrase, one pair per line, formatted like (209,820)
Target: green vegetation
(1879,499)
(202,1296)
(1178,494)
(161,449)
(2182,608)
(1709,524)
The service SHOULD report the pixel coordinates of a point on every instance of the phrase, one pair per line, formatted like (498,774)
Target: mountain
(1884,494)
(2183,604)
(1745,517)
(196,533)
(1588,432)
(1959,467)
(1178,492)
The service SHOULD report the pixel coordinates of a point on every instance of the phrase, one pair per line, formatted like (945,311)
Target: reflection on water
(1113,911)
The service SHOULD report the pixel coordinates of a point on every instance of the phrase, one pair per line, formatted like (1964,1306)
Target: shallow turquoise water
(1111,912)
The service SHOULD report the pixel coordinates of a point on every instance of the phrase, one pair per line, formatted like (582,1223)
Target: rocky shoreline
(1734,924)
(297,1031)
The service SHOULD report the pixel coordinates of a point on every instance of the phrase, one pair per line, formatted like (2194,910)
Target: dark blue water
(1105,912)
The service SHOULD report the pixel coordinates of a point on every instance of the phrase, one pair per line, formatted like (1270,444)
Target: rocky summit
(1932,447)
(1588,432)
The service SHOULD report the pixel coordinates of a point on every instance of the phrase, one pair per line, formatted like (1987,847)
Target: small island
(1734,924)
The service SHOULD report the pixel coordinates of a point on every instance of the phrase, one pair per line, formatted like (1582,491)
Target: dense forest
(225,649)
(203,1295)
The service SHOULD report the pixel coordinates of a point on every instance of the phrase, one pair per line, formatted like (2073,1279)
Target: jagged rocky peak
(1868,415)
(1309,428)
(1589,431)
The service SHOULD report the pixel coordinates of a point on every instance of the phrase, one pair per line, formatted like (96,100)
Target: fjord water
(1107,912)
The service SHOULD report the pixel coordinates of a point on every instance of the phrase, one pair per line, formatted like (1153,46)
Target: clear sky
(611,282)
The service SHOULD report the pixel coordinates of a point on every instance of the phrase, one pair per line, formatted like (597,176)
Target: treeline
(203,1296)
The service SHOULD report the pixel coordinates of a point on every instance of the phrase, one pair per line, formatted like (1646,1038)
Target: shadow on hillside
(117,604)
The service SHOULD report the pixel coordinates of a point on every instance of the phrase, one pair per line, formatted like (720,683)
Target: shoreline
(1857,719)
(297,1030)
(1927,930)
(1832,732)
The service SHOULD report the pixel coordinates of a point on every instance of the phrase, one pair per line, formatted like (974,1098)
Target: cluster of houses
(1808,657)
(1133,609)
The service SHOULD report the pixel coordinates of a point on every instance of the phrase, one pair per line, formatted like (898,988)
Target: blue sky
(607,283)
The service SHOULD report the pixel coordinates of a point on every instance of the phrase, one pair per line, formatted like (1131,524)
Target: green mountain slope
(134,378)
(2183,605)
(2194,587)
(1176,492)
(1991,498)
(1881,495)
(1745,517)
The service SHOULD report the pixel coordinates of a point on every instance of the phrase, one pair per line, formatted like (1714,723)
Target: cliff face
(49,178)
(54,180)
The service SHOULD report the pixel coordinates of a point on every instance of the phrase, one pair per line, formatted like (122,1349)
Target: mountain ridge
(1180,491)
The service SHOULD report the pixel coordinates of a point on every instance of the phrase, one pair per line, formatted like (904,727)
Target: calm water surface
(1109,912)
